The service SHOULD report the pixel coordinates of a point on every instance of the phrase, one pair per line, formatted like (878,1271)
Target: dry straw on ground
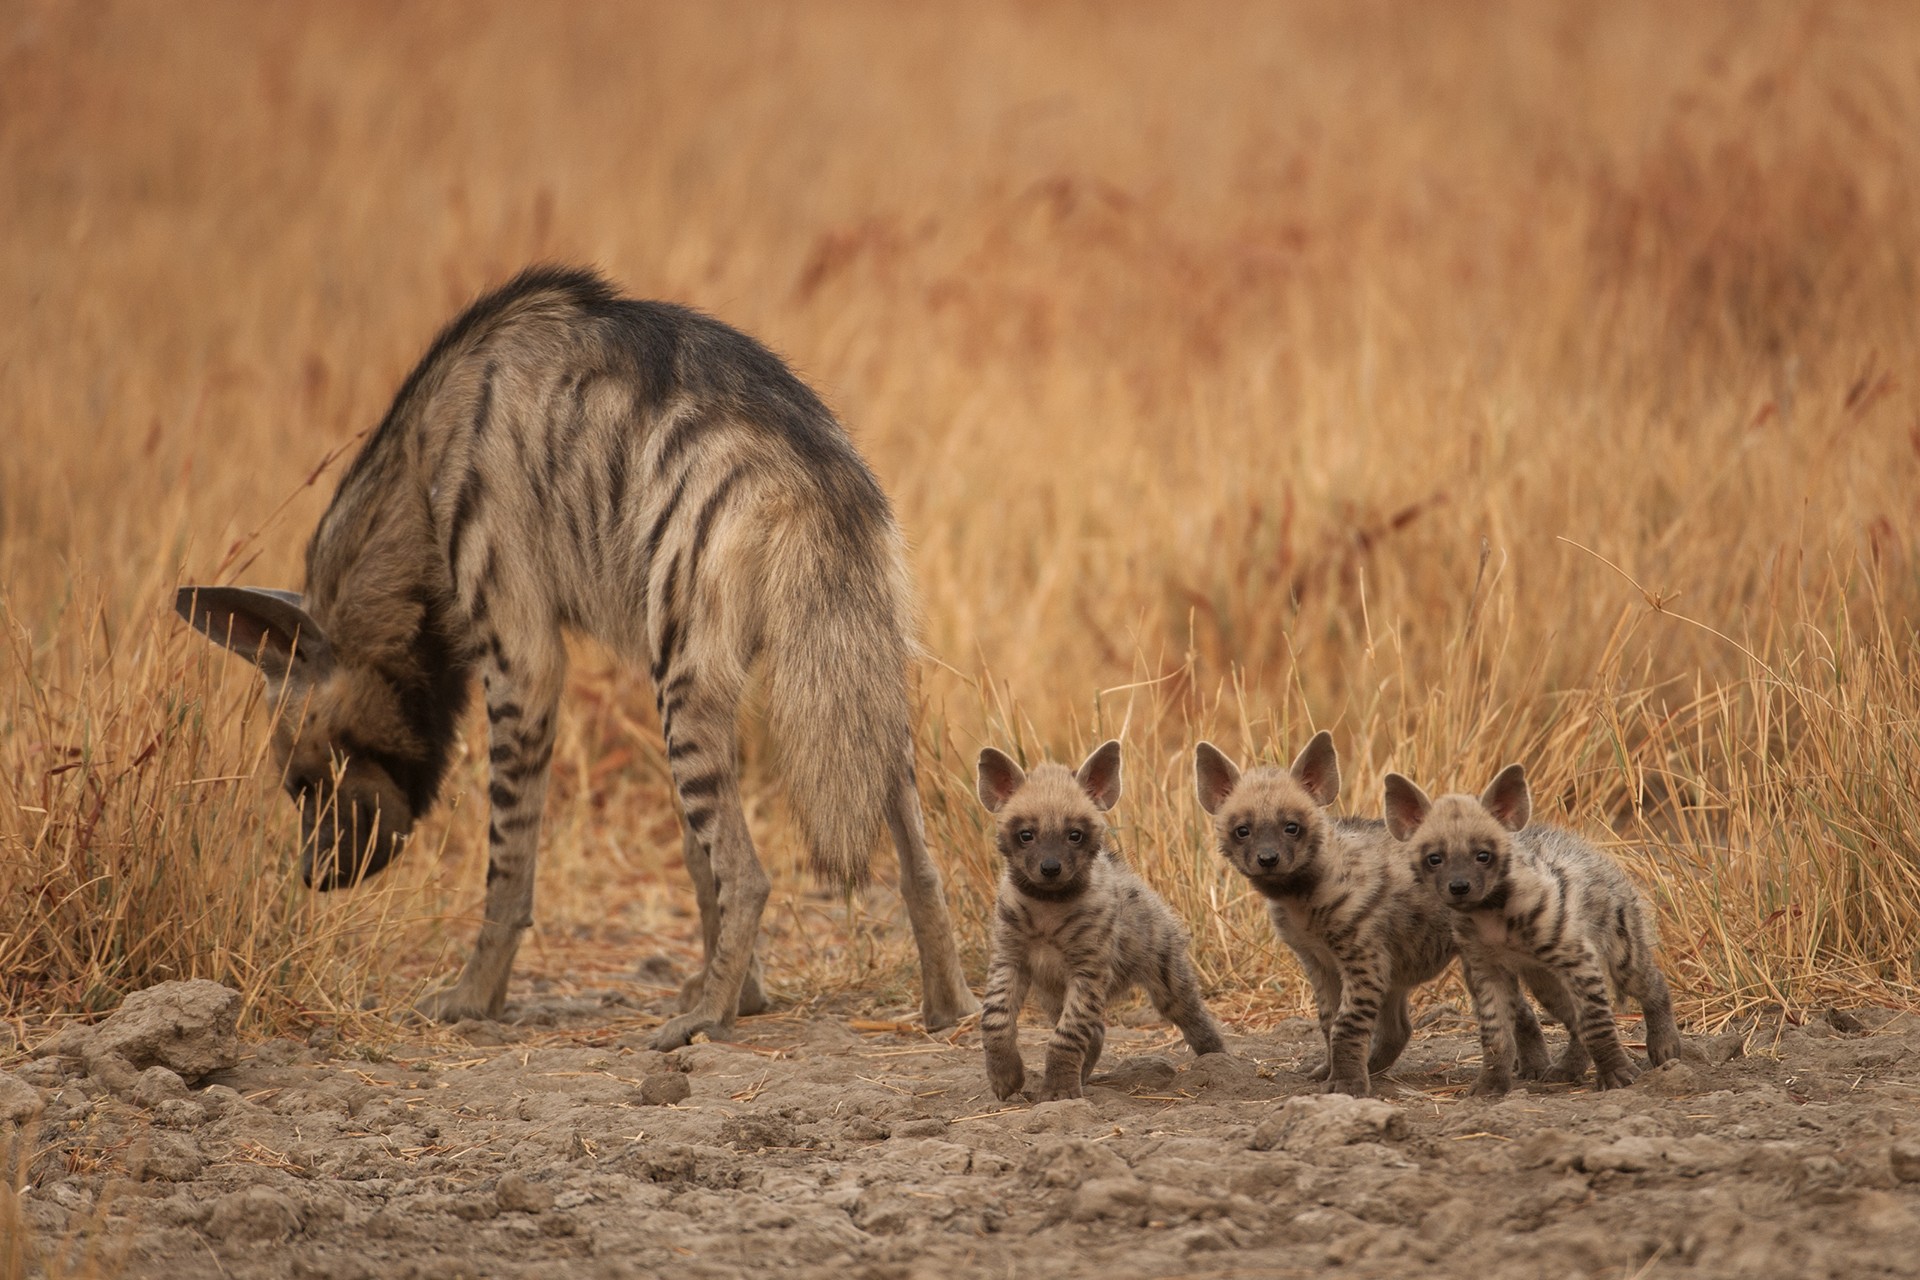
(1482,382)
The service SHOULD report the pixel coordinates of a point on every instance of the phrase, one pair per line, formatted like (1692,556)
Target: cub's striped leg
(522,695)
(1496,996)
(944,996)
(1174,990)
(1390,1033)
(1593,1003)
(1648,985)
(1082,1025)
(1362,991)
(1325,981)
(1000,1027)
(701,722)
(753,996)
(1551,992)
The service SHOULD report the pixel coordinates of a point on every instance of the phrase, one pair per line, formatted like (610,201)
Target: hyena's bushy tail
(838,645)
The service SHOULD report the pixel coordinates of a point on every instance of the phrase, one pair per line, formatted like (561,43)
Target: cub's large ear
(1407,806)
(1099,775)
(268,627)
(1317,768)
(1508,799)
(1000,777)
(1214,776)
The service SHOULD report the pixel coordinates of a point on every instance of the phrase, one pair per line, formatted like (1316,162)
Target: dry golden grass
(1480,381)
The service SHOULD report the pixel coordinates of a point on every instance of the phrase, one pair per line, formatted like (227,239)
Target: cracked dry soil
(826,1145)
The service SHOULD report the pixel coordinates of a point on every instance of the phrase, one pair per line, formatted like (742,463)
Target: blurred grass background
(1480,381)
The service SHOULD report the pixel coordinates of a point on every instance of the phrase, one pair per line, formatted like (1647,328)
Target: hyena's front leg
(1000,1025)
(1325,981)
(701,722)
(944,997)
(1496,993)
(1363,989)
(522,694)
(753,995)
(1082,1022)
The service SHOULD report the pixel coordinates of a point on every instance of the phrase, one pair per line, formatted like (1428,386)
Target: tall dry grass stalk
(1482,382)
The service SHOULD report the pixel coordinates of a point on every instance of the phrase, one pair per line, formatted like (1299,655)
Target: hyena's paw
(949,1010)
(1492,1084)
(678,1033)
(1354,1086)
(753,996)
(453,1004)
(1566,1073)
(1318,1071)
(1006,1078)
(1056,1090)
(1534,1063)
(1618,1076)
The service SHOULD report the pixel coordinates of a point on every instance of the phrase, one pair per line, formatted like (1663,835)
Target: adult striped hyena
(1073,925)
(564,459)
(1341,894)
(1539,905)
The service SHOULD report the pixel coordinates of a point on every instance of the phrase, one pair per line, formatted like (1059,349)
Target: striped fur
(564,459)
(1539,905)
(1340,893)
(1073,926)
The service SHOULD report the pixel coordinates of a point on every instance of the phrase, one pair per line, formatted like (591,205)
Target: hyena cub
(1542,906)
(1341,894)
(1073,925)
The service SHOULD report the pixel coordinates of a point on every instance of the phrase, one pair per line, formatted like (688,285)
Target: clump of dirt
(828,1145)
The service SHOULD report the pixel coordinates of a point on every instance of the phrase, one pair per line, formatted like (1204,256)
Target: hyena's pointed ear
(1407,806)
(1099,775)
(1317,768)
(1000,777)
(1214,776)
(267,627)
(1508,798)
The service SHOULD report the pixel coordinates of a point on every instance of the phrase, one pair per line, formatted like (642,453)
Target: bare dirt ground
(835,1143)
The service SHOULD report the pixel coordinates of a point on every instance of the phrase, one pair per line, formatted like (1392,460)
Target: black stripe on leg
(651,547)
(704,785)
(703,523)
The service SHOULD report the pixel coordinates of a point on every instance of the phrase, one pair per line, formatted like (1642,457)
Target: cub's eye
(1292,828)
(1026,837)
(1242,831)
(1483,855)
(1434,859)
(1075,836)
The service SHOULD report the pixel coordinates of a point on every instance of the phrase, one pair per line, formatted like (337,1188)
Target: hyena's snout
(1050,868)
(348,836)
(1459,886)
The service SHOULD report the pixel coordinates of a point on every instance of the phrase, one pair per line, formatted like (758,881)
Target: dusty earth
(837,1144)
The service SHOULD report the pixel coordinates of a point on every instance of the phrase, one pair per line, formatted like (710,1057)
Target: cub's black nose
(1269,859)
(1458,888)
(1050,868)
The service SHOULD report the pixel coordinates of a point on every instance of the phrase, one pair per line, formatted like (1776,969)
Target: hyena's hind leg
(701,720)
(944,995)
(753,995)
(522,696)
(1174,991)
(1390,1033)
